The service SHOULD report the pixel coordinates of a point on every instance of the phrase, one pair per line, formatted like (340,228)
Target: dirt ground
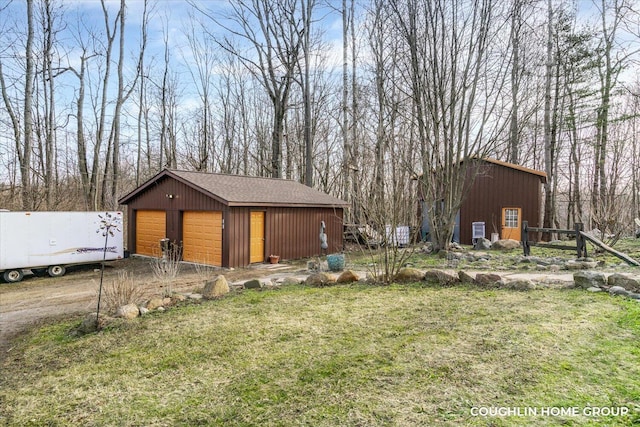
(36,300)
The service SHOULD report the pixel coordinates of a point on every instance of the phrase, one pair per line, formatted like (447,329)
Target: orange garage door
(202,237)
(151,226)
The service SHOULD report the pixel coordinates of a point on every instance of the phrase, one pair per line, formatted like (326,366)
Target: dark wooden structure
(231,220)
(577,232)
(501,195)
(581,242)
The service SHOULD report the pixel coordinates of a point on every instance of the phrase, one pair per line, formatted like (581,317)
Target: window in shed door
(511,223)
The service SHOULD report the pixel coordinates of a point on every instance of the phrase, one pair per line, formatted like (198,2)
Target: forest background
(357,98)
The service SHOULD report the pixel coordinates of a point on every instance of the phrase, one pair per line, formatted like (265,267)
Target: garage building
(231,220)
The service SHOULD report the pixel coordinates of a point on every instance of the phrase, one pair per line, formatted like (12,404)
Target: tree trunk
(25,159)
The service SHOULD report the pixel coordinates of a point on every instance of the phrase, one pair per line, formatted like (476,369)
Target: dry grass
(357,355)
(121,291)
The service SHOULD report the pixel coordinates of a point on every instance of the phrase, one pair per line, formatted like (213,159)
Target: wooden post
(524,238)
(581,245)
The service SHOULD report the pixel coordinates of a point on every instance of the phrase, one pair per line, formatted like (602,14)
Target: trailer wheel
(12,276)
(56,270)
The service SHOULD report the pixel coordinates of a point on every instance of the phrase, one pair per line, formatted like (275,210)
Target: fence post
(524,238)
(581,245)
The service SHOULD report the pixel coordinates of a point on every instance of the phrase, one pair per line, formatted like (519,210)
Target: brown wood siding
(294,232)
(495,188)
(236,238)
(291,233)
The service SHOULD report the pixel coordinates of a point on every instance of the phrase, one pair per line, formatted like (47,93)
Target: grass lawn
(346,355)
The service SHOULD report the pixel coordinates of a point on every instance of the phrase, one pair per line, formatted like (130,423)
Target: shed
(231,220)
(501,195)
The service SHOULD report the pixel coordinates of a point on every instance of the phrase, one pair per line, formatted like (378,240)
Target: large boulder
(482,244)
(408,274)
(624,281)
(586,279)
(253,284)
(216,288)
(290,280)
(320,279)
(465,277)
(580,264)
(618,290)
(129,311)
(441,277)
(154,303)
(347,276)
(505,244)
(488,279)
(520,285)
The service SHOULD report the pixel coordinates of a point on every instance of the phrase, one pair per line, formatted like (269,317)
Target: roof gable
(542,175)
(238,190)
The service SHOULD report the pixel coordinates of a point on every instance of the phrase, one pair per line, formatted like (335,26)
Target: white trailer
(51,241)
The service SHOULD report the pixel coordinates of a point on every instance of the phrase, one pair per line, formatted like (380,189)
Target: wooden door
(256,237)
(151,226)
(202,237)
(511,223)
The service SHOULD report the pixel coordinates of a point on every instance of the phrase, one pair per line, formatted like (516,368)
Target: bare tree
(612,60)
(203,157)
(23,131)
(456,82)
(110,195)
(305,80)
(274,31)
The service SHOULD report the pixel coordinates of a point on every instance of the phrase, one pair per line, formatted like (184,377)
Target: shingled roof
(239,190)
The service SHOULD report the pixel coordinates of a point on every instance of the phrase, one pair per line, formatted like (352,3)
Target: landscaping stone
(320,279)
(594,289)
(634,295)
(175,298)
(347,276)
(154,303)
(269,285)
(253,284)
(505,244)
(486,279)
(588,279)
(482,244)
(129,311)
(465,277)
(408,274)
(427,248)
(291,281)
(623,280)
(194,296)
(520,285)
(441,277)
(618,290)
(143,311)
(216,288)
(477,256)
(579,264)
